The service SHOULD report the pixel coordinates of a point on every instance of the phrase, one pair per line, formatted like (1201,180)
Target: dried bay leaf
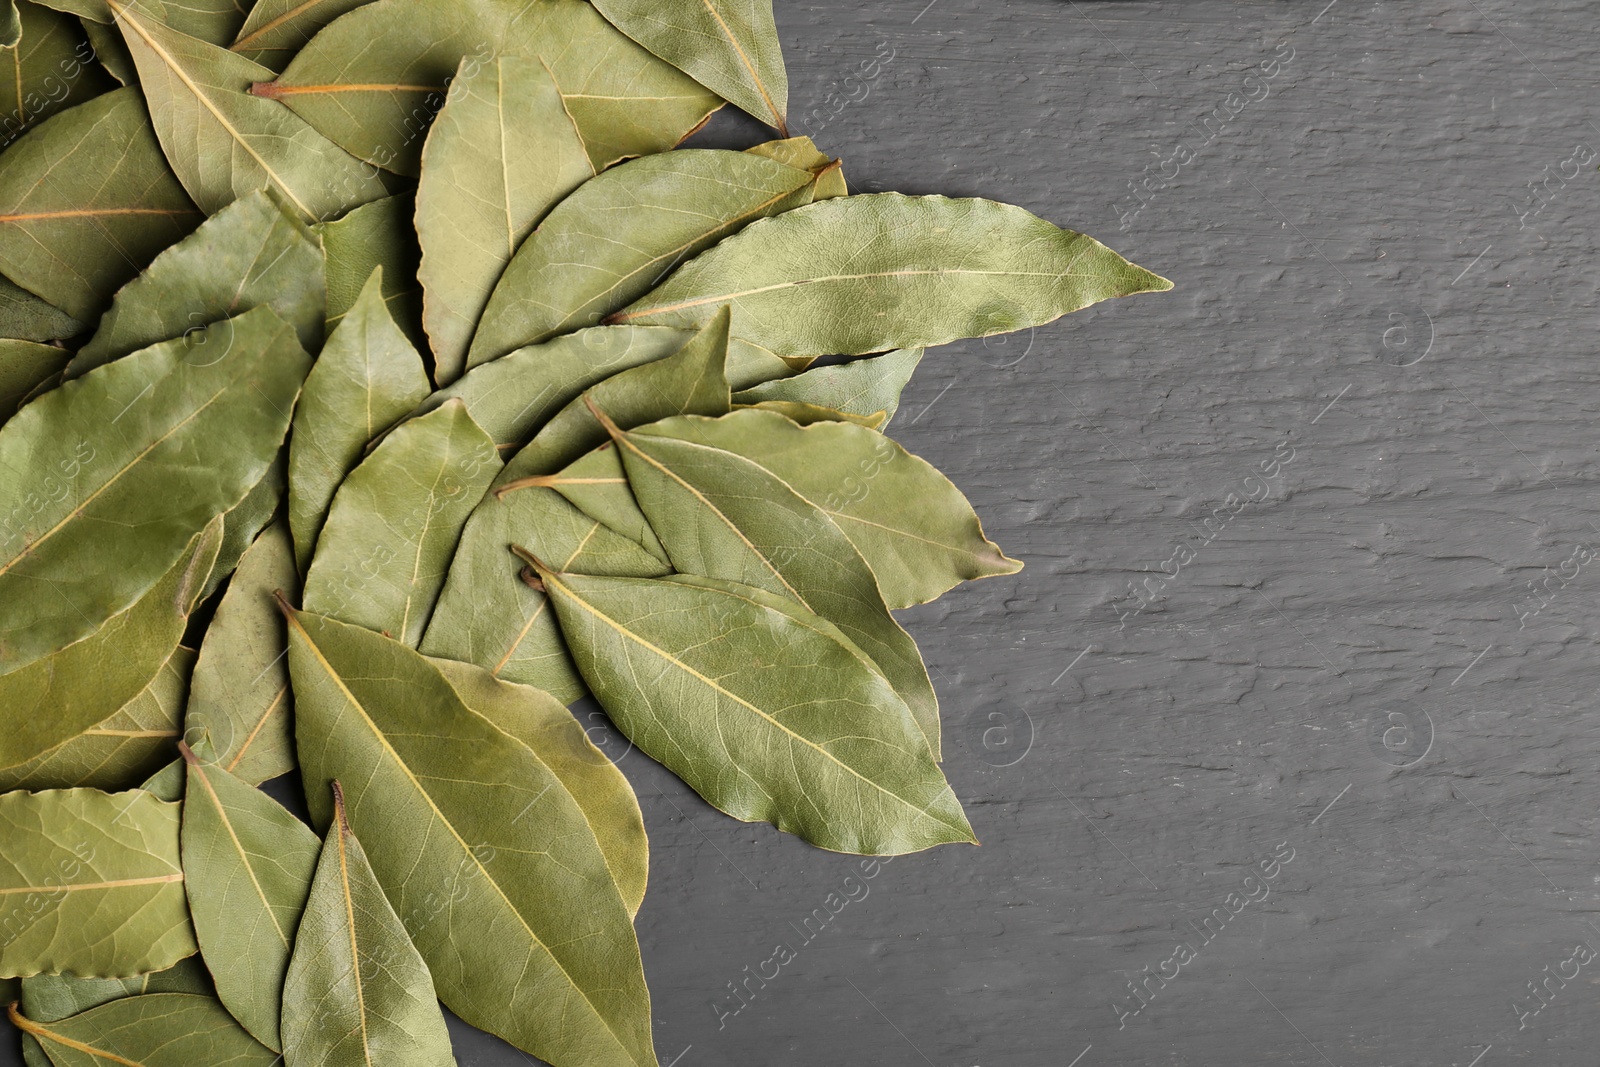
(86,201)
(25,317)
(113,474)
(805,413)
(247,866)
(213,21)
(379,234)
(45,61)
(488,617)
(722,516)
(252,253)
(692,381)
(91,884)
(705,675)
(597,485)
(860,387)
(357,991)
(501,152)
(384,552)
(861,274)
(239,702)
(154,1030)
(367,378)
(244,523)
(277,29)
(729,46)
(802,152)
(518,916)
(915,529)
(612,241)
(54,699)
(225,143)
(371,80)
(122,751)
(49,998)
(541,722)
(24,366)
(110,52)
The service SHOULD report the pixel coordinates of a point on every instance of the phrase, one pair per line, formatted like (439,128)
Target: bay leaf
(372,79)
(357,991)
(518,916)
(514,396)
(168,782)
(914,528)
(802,152)
(86,201)
(487,616)
(612,241)
(239,703)
(52,700)
(122,751)
(105,481)
(110,52)
(277,29)
(10,24)
(213,21)
(225,143)
(723,516)
(366,379)
(91,885)
(384,552)
(379,234)
(253,253)
(860,387)
(597,485)
(501,152)
(805,414)
(692,381)
(25,317)
(247,867)
(245,521)
(24,365)
(155,1030)
(46,63)
(541,722)
(49,998)
(863,274)
(709,676)
(729,46)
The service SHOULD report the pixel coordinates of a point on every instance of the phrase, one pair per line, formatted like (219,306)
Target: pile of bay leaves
(378,380)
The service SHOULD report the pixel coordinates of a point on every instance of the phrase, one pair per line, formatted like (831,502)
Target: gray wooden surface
(1383,336)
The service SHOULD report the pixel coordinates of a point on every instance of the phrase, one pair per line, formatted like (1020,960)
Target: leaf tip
(339,813)
(601,417)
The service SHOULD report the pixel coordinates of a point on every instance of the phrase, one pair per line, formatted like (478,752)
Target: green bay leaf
(91,885)
(25,317)
(245,521)
(357,992)
(238,714)
(729,46)
(155,1030)
(709,677)
(597,485)
(860,387)
(802,152)
(224,143)
(861,274)
(252,253)
(45,66)
(105,477)
(213,21)
(379,234)
(612,241)
(122,751)
(247,867)
(383,554)
(86,201)
(54,699)
(367,377)
(24,366)
(501,152)
(487,858)
(277,29)
(372,79)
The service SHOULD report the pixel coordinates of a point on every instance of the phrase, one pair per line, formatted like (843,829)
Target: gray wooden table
(1283,747)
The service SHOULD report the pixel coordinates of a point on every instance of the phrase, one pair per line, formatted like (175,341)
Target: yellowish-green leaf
(45,66)
(155,1030)
(277,29)
(502,151)
(802,152)
(91,884)
(24,366)
(860,387)
(379,234)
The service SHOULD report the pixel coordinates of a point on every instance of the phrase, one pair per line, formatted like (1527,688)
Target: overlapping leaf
(155,1030)
(863,274)
(239,703)
(277,29)
(86,200)
(371,236)
(214,21)
(247,866)
(813,739)
(371,80)
(502,151)
(50,998)
(25,317)
(357,992)
(614,239)
(860,387)
(45,65)
(224,143)
(24,366)
(729,46)
(106,480)
(90,884)
(519,919)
